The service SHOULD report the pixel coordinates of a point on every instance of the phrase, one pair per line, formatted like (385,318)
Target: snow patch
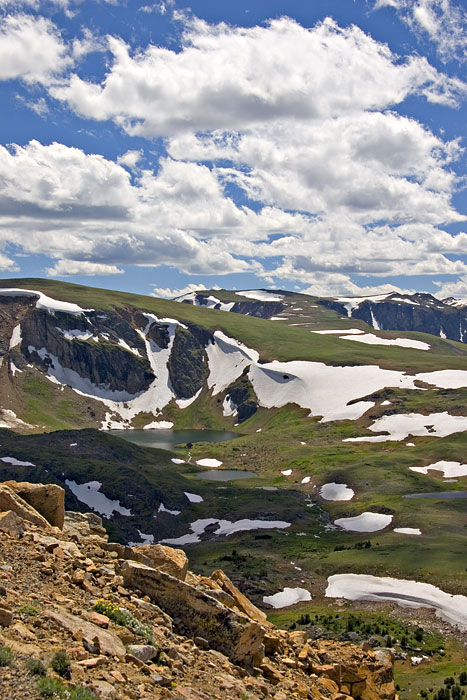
(125,346)
(175,460)
(372,339)
(163,509)
(14,369)
(16,462)
(227,358)
(286,472)
(229,407)
(366,522)
(306,480)
(15,336)
(408,530)
(449,469)
(209,462)
(336,492)
(401,425)
(413,594)
(44,302)
(89,493)
(225,527)
(159,425)
(260,295)
(193,497)
(340,331)
(184,403)
(287,597)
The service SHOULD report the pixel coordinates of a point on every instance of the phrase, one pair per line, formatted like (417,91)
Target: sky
(310,145)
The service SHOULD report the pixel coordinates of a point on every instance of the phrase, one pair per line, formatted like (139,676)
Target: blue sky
(154,147)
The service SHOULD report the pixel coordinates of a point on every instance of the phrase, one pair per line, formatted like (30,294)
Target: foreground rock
(9,500)
(154,635)
(200,615)
(47,499)
(170,561)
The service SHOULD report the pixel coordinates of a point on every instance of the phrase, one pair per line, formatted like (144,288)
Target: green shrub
(29,610)
(61,664)
(54,688)
(6,656)
(124,618)
(36,667)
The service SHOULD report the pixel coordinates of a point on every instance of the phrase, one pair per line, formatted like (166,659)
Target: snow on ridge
(227,358)
(45,302)
(90,494)
(261,295)
(407,593)
(184,403)
(351,303)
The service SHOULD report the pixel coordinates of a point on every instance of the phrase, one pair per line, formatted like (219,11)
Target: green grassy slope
(274,340)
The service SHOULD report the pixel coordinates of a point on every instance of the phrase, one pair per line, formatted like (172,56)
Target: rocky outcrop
(105,364)
(198,640)
(242,394)
(47,499)
(416,312)
(199,614)
(96,639)
(10,501)
(11,523)
(260,309)
(170,561)
(188,366)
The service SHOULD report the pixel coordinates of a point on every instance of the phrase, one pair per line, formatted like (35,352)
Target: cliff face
(157,631)
(68,342)
(417,312)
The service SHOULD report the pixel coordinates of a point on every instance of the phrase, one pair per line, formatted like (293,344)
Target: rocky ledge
(84,618)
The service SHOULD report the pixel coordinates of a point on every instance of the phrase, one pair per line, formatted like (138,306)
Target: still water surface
(168,439)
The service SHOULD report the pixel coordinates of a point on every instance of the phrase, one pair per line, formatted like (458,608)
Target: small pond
(225,475)
(169,439)
(438,494)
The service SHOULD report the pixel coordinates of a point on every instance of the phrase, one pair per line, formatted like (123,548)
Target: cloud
(67,268)
(452,288)
(130,159)
(32,49)
(443,21)
(171,293)
(7,264)
(327,285)
(230,78)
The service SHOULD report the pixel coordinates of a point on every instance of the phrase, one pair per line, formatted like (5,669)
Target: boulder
(6,617)
(143,652)
(10,500)
(92,635)
(47,499)
(241,601)
(85,526)
(197,613)
(11,523)
(171,561)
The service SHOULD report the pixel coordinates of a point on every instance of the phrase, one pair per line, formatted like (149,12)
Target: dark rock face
(260,309)
(159,333)
(243,396)
(419,312)
(104,363)
(188,366)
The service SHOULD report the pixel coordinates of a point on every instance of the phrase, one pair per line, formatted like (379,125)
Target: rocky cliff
(84,618)
(416,312)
